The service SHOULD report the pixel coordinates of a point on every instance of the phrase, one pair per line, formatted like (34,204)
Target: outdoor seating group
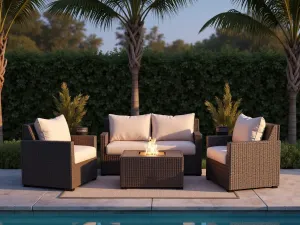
(250,158)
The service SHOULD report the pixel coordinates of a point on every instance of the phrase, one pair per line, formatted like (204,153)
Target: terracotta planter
(221,130)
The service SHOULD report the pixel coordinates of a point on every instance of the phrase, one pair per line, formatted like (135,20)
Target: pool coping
(15,198)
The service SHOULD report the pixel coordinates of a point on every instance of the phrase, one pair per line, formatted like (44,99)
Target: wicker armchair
(110,164)
(248,165)
(51,163)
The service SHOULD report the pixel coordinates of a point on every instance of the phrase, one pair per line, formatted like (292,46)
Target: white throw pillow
(52,129)
(248,129)
(129,128)
(173,128)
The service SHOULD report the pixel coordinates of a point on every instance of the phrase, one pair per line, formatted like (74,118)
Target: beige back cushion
(129,128)
(173,128)
(248,129)
(52,129)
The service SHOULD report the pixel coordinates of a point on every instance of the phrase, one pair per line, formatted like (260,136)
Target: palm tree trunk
(1,121)
(135,104)
(135,41)
(292,125)
(3,63)
(293,77)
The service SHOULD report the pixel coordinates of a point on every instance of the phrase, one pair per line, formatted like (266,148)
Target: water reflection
(175,218)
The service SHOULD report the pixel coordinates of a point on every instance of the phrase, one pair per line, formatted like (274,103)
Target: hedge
(169,84)
(10,156)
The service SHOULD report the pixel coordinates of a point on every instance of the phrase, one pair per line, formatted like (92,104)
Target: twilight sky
(185,25)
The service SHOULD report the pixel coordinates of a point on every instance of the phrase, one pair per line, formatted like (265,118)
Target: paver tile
(50,201)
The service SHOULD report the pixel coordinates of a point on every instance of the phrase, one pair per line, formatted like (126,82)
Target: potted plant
(226,112)
(73,110)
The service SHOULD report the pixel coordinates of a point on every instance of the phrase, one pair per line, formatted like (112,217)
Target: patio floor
(15,197)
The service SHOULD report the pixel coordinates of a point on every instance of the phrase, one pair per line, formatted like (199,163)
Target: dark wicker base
(81,173)
(151,172)
(111,165)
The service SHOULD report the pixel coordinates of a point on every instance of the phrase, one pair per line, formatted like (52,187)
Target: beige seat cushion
(82,153)
(117,147)
(173,128)
(217,153)
(186,147)
(52,129)
(129,128)
(248,129)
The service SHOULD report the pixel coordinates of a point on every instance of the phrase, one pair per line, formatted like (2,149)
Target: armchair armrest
(198,142)
(87,140)
(217,140)
(47,163)
(254,155)
(104,141)
(48,151)
(254,149)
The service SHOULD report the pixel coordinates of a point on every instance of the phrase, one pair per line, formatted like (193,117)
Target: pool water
(147,218)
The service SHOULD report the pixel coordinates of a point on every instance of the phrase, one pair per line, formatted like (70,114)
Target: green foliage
(169,84)
(290,156)
(74,111)
(21,43)
(226,112)
(10,155)
(51,33)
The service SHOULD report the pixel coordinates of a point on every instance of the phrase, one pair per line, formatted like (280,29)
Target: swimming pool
(147,218)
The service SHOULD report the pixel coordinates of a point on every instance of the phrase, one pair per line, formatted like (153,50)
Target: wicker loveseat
(110,162)
(57,164)
(247,165)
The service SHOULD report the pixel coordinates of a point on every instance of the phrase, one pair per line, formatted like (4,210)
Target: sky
(185,25)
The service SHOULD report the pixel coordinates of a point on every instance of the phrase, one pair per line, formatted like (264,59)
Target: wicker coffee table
(141,171)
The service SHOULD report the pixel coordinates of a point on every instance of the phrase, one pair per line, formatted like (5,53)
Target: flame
(151,148)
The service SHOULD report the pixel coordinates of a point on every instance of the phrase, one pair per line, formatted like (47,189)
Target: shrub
(290,156)
(10,155)
(226,112)
(74,110)
(169,84)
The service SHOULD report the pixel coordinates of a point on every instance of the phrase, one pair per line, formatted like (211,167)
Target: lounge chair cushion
(117,147)
(52,129)
(217,153)
(248,129)
(173,128)
(82,153)
(129,128)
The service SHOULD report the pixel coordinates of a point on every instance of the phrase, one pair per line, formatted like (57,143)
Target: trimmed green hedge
(290,156)
(169,84)
(10,155)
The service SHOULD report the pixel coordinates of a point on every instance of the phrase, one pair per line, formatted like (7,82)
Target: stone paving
(15,197)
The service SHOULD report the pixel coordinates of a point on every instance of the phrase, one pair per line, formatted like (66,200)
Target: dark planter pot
(82,131)
(222,130)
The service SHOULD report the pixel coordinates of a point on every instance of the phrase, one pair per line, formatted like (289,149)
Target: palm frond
(161,8)
(236,21)
(264,11)
(19,11)
(97,12)
(292,12)
(213,112)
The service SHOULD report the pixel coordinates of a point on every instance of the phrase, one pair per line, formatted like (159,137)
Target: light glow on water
(151,218)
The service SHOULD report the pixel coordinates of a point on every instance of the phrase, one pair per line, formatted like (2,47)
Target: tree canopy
(50,33)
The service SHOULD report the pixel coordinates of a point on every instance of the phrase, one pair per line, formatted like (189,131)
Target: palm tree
(274,18)
(11,12)
(131,14)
